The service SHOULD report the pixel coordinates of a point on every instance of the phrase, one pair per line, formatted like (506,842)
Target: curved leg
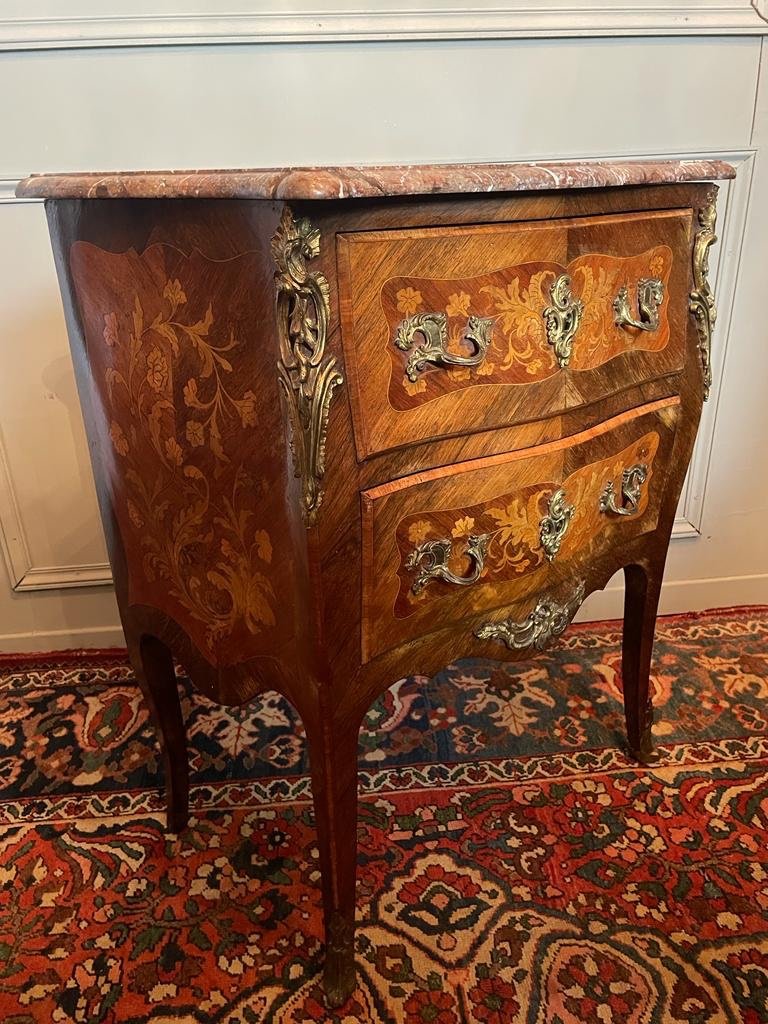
(333,763)
(153,664)
(641,602)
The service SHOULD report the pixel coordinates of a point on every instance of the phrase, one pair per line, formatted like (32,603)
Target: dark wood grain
(175,338)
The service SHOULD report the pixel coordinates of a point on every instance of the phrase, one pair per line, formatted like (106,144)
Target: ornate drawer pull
(632,480)
(650,295)
(431,560)
(553,526)
(433,327)
(547,620)
(562,319)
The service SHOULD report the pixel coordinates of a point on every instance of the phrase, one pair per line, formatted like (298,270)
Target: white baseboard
(676,596)
(680,596)
(61,640)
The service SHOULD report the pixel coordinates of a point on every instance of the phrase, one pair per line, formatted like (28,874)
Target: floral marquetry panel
(189,439)
(486,520)
(514,300)
(512,524)
(438,314)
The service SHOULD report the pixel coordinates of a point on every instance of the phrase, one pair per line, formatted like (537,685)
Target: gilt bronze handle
(562,319)
(431,561)
(632,480)
(547,620)
(555,523)
(650,295)
(433,327)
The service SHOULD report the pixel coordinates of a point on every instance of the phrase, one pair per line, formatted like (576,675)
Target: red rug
(514,866)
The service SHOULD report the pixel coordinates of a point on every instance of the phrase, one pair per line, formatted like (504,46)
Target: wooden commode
(350,424)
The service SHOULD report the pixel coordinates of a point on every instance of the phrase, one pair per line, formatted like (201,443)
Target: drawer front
(448,544)
(455,330)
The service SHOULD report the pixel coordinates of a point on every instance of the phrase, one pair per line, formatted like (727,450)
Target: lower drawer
(442,546)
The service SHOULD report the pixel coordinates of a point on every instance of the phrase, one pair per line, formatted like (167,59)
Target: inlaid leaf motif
(513,544)
(596,291)
(458,304)
(119,440)
(521,321)
(110,329)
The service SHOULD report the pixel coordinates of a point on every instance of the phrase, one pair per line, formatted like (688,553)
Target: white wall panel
(212,105)
(474,100)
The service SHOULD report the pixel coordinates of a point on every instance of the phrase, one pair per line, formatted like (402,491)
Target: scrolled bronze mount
(433,327)
(430,559)
(307,376)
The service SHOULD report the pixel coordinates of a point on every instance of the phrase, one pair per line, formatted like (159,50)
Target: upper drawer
(449,331)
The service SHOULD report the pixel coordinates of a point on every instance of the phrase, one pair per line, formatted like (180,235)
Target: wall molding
(512,19)
(23,573)
(14,543)
(733,207)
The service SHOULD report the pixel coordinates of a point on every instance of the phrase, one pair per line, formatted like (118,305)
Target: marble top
(297,183)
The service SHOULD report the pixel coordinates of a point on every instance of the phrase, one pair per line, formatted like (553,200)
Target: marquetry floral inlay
(519,312)
(408,301)
(178,415)
(512,524)
(514,299)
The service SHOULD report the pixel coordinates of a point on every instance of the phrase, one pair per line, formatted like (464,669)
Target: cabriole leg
(333,762)
(641,602)
(153,665)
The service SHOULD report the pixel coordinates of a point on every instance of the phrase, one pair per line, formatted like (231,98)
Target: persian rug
(514,868)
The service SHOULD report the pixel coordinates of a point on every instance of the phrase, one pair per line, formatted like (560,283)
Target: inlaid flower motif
(157,370)
(195,433)
(408,300)
(458,304)
(119,440)
(414,387)
(175,528)
(656,265)
(463,526)
(419,531)
(174,293)
(110,329)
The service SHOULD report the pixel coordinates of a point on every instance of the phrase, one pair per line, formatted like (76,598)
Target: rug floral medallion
(514,866)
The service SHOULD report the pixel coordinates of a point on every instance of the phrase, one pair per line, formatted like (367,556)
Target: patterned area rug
(514,865)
